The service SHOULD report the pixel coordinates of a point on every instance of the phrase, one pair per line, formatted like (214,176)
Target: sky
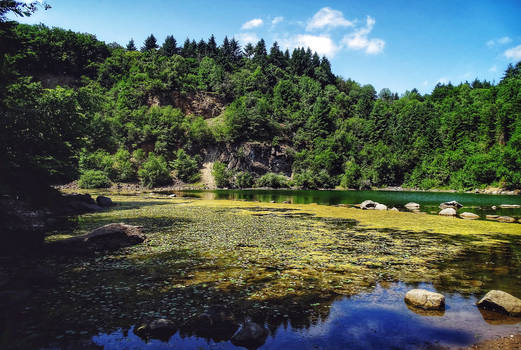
(399,44)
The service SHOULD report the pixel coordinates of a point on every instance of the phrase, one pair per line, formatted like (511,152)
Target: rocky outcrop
(451,204)
(425,299)
(469,216)
(161,329)
(448,212)
(500,301)
(251,335)
(108,237)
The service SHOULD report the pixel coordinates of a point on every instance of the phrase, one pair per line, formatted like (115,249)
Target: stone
(108,237)
(425,299)
(250,335)
(380,207)
(412,206)
(161,329)
(448,212)
(510,206)
(451,204)
(368,205)
(506,219)
(173,195)
(492,217)
(394,209)
(500,301)
(469,216)
(494,207)
(104,201)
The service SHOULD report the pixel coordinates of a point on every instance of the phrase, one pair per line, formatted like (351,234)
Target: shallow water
(476,203)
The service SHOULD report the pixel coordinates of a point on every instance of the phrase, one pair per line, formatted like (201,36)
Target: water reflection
(376,320)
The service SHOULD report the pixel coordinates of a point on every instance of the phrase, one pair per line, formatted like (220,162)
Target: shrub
(187,167)
(221,175)
(123,167)
(351,176)
(154,172)
(272,180)
(244,179)
(94,179)
(99,160)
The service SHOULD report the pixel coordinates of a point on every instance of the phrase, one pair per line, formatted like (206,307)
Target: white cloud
(425,83)
(277,20)
(245,38)
(514,53)
(327,18)
(358,40)
(501,41)
(321,44)
(493,69)
(254,23)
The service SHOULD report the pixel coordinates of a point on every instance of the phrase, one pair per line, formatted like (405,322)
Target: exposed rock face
(502,302)
(425,300)
(368,204)
(469,216)
(204,104)
(161,329)
(104,201)
(448,212)
(380,207)
(451,204)
(412,206)
(250,335)
(108,237)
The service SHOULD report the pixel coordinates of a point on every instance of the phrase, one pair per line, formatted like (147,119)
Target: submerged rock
(251,334)
(104,201)
(412,206)
(448,212)
(380,206)
(368,204)
(425,299)
(500,301)
(451,204)
(469,216)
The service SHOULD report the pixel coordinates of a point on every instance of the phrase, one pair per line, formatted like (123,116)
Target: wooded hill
(74,107)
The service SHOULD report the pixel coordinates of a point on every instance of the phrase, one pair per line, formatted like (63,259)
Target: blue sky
(395,44)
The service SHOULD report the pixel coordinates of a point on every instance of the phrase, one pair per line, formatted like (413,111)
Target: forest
(74,107)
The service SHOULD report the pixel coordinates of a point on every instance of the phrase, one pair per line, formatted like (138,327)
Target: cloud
(493,69)
(358,40)
(245,38)
(514,53)
(442,80)
(277,20)
(254,23)
(501,41)
(327,18)
(321,44)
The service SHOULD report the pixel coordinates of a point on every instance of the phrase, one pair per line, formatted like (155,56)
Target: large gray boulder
(451,204)
(251,335)
(412,206)
(500,301)
(506,219)
(380,206)
(425,299)
(368,204)
(448,212)
(469,216)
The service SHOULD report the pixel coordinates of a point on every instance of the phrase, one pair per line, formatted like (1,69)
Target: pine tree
(211,48)
(150,43)
(169,47)
(249,50)
(276,56)
(131,46)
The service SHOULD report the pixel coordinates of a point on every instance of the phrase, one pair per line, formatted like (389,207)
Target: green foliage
(94,179)
(154,172)
(272,180)
(243,179)
(221,174)
(187,167)
(351,176)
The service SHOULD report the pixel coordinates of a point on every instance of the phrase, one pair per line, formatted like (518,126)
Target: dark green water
(480,204)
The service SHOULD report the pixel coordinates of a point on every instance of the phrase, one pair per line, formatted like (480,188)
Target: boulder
(368,205)
(492,217)
(494,207)
(250,335)
(393,209)
(424,299)
(510,206)
(173,195)
(161,329)
(104,201)
(412,206)
(448,212)
(380,207)
(469,216)
(111,236)
(451,204)
(500,301)
(506,219)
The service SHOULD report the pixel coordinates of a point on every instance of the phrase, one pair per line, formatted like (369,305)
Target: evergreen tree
(276,56)
(169,47)
(211,48)
(249,50)
(260,55)
(131,46)
(150,43)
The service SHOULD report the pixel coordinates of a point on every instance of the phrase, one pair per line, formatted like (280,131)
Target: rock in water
(250,335)
(425,300)
(412,206)
(104,201)
(451,204)
(498,300)
(368,204)
(161,329)
(380,206)
(448,212)
(469,216)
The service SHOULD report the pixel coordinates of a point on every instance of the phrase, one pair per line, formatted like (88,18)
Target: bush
(272,180)
(187,167)
(99,160)
(154,172)
(243,179)
(94,179)
(221,175)
(123,167)
(351,176)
